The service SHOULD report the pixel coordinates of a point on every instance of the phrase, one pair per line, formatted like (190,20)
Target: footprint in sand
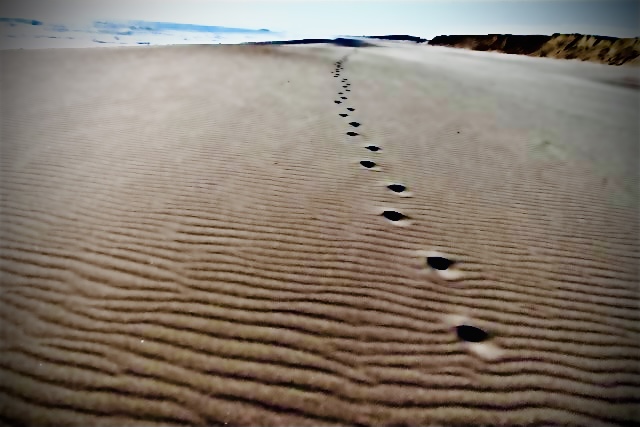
(353,133)
(397,188)
(343,114)
(394,215)
(372,148)
(368,164)
(478,341)
(401,191)
(475,339)
(343,97)
(354,124)
(470,333)
(441,265)
(351,109)
(338,102)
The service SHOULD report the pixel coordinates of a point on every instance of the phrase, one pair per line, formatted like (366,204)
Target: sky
(425,18)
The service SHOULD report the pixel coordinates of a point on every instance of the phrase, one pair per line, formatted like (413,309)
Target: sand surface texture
(189,236)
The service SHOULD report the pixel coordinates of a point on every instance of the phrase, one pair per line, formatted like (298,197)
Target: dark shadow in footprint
(367,163)
(338,102)
(340,93)
(343,114)
(354,124)
(393,215)
(352,133)
(344,86)
(439,263)
(396,188)
(348,90)
(372,148)
(351,109)
(471,333)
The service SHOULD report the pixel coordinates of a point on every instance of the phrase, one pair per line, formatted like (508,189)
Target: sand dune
(189,237)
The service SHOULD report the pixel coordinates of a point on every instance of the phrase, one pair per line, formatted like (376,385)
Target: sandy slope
(188,237)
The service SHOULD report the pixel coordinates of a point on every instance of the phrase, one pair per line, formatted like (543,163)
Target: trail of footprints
(436,263)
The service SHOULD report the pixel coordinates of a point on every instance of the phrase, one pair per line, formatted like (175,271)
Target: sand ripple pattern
(195,244)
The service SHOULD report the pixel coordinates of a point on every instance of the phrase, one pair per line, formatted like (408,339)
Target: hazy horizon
(427,18)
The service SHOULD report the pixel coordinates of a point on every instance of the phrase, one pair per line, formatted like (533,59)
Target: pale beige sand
(188,238)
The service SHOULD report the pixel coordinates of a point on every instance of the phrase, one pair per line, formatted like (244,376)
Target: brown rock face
(602,49)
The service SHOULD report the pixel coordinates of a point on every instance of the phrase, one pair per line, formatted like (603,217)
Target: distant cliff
(606,50)
(338,41)
(399,37)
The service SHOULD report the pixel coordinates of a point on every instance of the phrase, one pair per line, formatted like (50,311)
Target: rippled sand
(189,236)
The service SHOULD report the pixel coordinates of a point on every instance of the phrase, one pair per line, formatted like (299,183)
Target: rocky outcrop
(606,50)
